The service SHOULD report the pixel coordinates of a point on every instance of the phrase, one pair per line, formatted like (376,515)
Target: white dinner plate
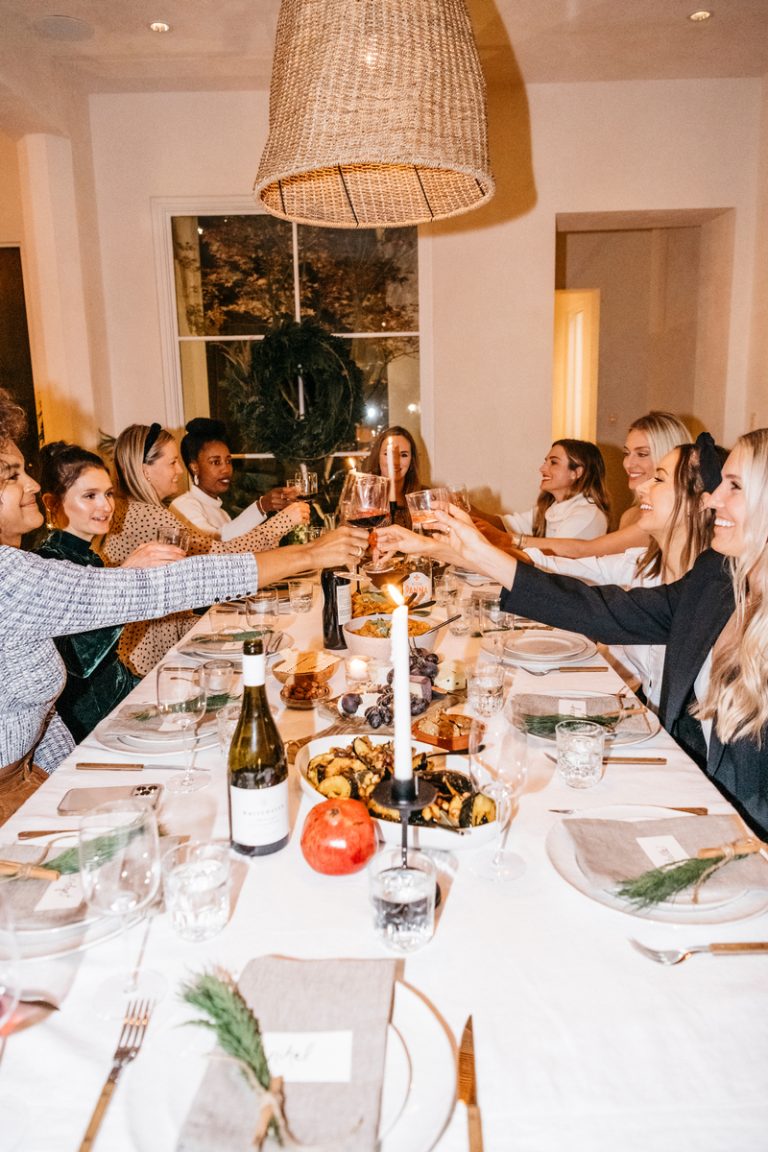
(108,734)
(232,649)
(537,647)
(419,837)
(562,854)
(417,1097)
(631,730)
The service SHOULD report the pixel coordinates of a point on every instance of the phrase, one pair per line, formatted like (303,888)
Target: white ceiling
(228,43)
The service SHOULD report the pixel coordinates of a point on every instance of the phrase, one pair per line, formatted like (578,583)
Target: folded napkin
(303,996)
(22,896)
(145,719)
(610,851)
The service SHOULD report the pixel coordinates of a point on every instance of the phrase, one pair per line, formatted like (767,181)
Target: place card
(662,850)
(63,895)
(310,1057)
(572,707)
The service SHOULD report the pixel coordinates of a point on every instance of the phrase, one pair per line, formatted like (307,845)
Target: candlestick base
(406,796)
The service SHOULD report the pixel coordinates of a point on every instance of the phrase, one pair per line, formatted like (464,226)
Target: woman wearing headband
(148,473)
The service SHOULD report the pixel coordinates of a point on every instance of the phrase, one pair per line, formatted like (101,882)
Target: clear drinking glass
(446,589)
(119,855)
(485,688)
(196,889)
(403,898)
(460,496)
(181,701)
(300,595)
(498,765)
(219,680)
(13,1111)
(225,618)
(423,505)
(305,484)
(580,748)
(178,536)
(262,610)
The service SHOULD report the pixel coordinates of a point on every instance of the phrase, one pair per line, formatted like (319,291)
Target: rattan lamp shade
(376,114)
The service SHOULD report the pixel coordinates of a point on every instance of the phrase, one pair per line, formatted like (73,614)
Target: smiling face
(85,510)
(657,497)
(213,468)
(395,458)
(638,459)
(557,476)
(730,505)
(19,509)
(165,472)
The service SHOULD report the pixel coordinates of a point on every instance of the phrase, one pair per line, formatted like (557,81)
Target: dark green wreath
(262,387)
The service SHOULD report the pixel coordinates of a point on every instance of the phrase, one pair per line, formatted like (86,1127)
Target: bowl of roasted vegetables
(339,767)
(372,635)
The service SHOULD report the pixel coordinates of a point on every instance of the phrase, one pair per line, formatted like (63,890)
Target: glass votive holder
(357,670)
(300,595)
(580,747)
(196,889)
(218,678)
(402,898)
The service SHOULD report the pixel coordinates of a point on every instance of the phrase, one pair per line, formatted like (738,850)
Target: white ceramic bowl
(379,646)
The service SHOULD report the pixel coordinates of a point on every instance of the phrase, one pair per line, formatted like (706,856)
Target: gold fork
(135,1024)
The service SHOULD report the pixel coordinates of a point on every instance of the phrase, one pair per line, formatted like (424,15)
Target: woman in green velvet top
(79,503)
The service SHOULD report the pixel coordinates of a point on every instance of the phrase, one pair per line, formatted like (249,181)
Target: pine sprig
(545,725)
(664,883)
(237,1029)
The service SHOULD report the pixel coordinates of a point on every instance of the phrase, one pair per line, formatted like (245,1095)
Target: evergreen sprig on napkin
(660,884)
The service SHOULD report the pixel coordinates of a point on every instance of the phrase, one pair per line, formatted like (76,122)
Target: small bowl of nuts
(304,692)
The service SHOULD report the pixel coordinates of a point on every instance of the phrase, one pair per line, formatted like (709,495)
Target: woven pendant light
(376,114)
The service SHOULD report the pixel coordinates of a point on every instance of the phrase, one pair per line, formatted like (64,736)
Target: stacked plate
(545,649)
(207,645)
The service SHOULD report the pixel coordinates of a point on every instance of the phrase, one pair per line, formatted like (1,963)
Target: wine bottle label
(254,671)
(419,583)
(344,602)
(259,815)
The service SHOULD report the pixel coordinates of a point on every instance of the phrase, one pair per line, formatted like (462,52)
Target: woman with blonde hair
(714,622)
(148,473)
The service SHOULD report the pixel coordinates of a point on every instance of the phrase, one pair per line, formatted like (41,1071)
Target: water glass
(218,680)
(170,534)
(403,898)
(226,722)
(446,589)
(485,689)
(300,595)
(196,889)
(463,622)
(225,618)
(262,610)
(580,747)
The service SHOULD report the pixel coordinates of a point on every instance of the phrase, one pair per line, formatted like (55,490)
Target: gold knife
(468,1087)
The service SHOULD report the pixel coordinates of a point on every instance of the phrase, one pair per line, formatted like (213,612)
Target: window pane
(390,370)
(234,274)
(359,280)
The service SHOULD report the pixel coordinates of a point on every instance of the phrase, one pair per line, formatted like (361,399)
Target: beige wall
(488,321)
(11,223)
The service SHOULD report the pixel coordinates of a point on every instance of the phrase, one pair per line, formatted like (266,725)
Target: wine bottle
(258,770)
(337,606)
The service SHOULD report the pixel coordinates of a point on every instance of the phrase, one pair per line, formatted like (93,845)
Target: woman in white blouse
(207,455)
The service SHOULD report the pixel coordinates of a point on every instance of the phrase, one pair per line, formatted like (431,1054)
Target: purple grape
(350,703)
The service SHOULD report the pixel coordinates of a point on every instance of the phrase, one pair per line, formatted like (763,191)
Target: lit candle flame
(394,594)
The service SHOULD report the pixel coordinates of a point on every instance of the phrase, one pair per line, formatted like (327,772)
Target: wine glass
(365,501)
(181,702)
(13,1111)
(498,765)
(119,855)
(262,611)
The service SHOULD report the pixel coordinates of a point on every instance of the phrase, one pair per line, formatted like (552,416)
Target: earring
(195,479)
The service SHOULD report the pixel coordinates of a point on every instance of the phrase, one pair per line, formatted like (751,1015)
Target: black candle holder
(405,796)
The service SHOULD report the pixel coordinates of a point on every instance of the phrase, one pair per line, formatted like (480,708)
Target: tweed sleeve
(47,598)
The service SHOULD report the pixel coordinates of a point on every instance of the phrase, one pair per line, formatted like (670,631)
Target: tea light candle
(401,689)
(357,670)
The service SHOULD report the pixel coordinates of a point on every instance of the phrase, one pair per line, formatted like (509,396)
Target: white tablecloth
(581,1044)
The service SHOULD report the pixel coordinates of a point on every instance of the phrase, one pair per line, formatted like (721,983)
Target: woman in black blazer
(714,622)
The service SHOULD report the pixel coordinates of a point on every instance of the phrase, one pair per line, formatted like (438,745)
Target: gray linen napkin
(608,851)
(290,995)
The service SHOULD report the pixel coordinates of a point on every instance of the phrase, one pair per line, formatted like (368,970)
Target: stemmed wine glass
(498,765)
(365,501)
(119,855)
(12,1110)
(181,701)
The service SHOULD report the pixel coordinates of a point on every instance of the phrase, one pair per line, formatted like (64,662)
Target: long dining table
(581,1043)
